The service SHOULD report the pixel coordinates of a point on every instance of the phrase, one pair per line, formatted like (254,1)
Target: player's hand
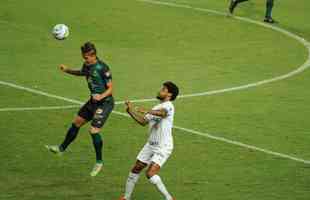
(63,67)
(97,97)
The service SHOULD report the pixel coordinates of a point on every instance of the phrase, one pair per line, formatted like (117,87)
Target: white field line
(266,151)
(38,108)
(301,40)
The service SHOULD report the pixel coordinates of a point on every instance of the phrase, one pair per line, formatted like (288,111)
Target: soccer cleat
(232,6)
(269,20)
(54,149)
(97,168)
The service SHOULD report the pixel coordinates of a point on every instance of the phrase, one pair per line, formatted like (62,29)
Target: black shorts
(98,112)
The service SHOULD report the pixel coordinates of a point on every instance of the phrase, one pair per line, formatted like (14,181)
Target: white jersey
(160,129)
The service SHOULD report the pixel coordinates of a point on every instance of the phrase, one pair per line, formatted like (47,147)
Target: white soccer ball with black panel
(60,31)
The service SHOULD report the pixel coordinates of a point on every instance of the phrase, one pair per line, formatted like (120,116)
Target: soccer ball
(60,31)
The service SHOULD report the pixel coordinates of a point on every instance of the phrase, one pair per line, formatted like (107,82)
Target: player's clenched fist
(63,67)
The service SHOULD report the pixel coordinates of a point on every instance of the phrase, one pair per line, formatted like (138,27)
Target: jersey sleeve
(169,108)
(150,117)
(83,69)
(106,73)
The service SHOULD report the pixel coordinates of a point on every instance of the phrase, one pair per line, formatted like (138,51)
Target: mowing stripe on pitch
(266,151)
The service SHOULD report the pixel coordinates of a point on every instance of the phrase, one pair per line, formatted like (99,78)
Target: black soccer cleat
(232,6)
(269,20)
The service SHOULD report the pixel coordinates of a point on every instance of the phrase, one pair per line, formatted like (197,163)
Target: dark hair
(88,47)
(172,88)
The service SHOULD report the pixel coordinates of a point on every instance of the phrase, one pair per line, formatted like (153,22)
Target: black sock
(235,4)
(98,144)
(269,6)
(239,1)
(71,135)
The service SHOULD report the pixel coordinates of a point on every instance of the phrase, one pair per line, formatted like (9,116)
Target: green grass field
(146,44)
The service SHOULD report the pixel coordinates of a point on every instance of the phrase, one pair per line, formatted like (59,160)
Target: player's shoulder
(85,68)
(102,65)
(168,105)
(103,69)
(84,65)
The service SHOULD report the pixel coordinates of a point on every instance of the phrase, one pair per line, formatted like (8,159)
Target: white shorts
(157,155)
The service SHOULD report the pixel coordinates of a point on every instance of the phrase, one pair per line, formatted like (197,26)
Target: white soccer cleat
(97,168)
(54,149)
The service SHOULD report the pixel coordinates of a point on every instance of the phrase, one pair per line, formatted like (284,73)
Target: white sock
(156,180)
(130,184)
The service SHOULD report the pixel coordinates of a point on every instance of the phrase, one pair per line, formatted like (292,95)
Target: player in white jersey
(160,143)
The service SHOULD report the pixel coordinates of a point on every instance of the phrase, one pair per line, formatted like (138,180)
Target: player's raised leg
(101,114)
(98,145)
(233,4)
(70,136)
(156,180)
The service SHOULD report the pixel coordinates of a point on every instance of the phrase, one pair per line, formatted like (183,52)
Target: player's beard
(159,97)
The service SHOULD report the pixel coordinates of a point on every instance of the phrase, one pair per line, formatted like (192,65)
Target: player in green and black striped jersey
(97,109)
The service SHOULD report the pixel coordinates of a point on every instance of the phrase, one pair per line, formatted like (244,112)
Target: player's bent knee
(79,125)
(94,130)
(152,170)
(139,166)
(136,170)
(150,174)
(79,121)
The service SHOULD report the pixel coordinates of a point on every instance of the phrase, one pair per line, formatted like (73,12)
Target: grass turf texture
(146,44)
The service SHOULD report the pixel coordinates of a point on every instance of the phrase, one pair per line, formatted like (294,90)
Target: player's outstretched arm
(67,70)
(135,114)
